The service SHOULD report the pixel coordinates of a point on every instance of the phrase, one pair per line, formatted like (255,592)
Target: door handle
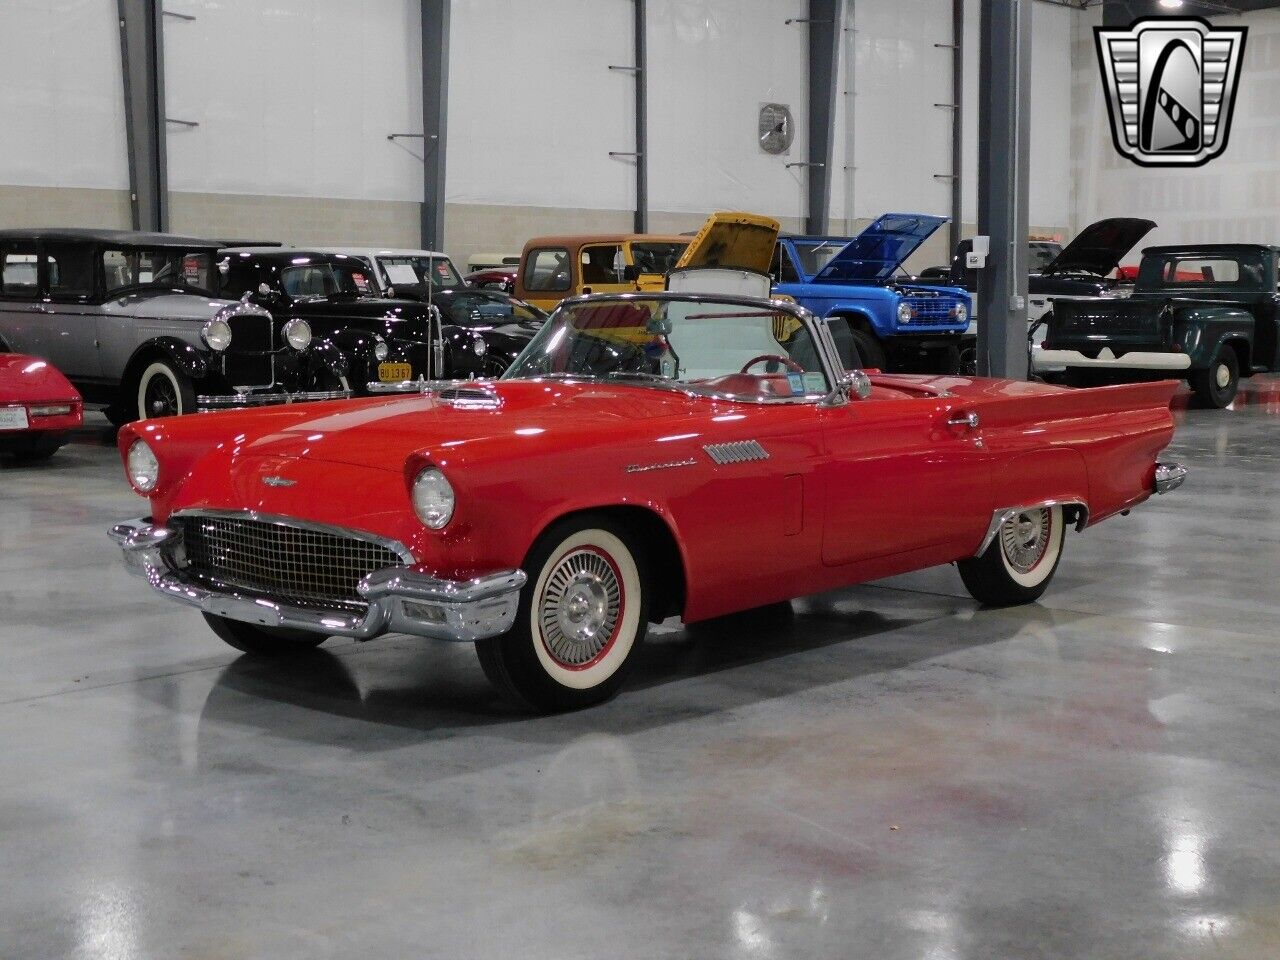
(969,420)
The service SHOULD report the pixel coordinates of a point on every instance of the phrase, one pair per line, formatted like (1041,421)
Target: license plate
(13,418)
(394,372)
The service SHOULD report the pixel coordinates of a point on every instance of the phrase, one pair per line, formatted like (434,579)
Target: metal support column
(435,114)
(1004,146)
(142,69)
(957,122)
(825,21)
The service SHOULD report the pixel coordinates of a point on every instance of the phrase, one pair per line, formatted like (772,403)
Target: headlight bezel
(216,331)
(961,313)
(290,329)
(380,349)
(479,347)
(433,497)
(138,472)
(906,312)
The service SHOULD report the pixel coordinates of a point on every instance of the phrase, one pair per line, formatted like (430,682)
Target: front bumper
(1042,359)
(233,401)
(400,600)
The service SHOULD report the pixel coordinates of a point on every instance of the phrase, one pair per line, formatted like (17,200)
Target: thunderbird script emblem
(279,482)
(1171,87)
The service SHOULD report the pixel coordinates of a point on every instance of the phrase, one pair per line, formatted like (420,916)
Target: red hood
(31,380)
(383,433)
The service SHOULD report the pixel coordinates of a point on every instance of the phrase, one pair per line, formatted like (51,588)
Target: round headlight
(142,467)
(479,346)
(216,334)
(962,314)
(380,350)
(905,312)
(298,334)
(433,498)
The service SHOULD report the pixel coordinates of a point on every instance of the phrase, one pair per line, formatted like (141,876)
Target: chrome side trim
(739,451)
(670,465)
(1004,514)
(1169,476)
(235,400)
(395,546)
(400,600)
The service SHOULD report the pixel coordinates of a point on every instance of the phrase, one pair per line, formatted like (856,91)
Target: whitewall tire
(164,392)
(1021,559)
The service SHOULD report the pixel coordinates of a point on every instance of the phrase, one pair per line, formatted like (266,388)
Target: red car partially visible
(495,278)
(38,407)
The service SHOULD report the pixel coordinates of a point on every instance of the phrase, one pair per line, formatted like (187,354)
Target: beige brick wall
(63,207)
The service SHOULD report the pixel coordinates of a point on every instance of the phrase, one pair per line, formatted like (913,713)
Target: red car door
(903,474)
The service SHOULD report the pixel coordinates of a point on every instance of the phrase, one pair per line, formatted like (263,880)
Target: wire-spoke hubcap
(1025,538)
(162,399)
(581,607)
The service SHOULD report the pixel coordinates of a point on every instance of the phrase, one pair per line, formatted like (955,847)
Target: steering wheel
(785,361)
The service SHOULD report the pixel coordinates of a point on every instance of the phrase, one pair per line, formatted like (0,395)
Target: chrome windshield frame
(828,355)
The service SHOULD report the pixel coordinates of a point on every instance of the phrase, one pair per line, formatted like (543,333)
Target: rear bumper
(399,599)
(233,401)
(1042,359)
(1169,476)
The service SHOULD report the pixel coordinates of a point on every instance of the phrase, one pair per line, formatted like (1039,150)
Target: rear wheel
(164,392)
(580,619)
(263,641)
(1019,562)
(1217,386)
(869,349)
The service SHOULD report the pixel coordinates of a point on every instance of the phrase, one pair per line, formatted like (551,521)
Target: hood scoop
(470,398)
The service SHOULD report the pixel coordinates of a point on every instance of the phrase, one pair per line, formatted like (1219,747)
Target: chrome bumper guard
(400,600)
(235,401)
(1169,476)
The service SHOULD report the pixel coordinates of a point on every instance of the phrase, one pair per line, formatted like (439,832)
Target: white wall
(711,64)
(294,97)
(1234,197)
(61,95)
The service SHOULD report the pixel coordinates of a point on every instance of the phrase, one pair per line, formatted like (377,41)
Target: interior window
(171,269)
(1202,270)
(602,264)
(547,269)
(312,281)
(18,272)
(656,256)
(70,272)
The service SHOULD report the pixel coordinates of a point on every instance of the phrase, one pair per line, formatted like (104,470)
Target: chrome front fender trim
(400,600)
(1003,515)
(236,401)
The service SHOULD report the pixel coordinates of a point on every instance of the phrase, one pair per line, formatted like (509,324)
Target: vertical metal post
(957,122)
(1004,87)
(142,70)
(826,18)
(435,114)
(642,116)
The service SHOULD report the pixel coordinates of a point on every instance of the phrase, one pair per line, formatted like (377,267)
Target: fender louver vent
(741,451)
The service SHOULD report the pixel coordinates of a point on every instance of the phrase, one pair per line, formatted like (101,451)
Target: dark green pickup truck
(1206,313)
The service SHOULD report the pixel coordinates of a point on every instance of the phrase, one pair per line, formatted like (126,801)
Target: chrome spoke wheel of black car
(162,398)
(163,391)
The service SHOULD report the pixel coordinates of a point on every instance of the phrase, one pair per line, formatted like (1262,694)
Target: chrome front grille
(281,560)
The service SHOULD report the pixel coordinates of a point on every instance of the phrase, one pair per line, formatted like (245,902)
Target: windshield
(436,271)
(481,308)
(748,350)
(170,269)
(654,256)
(324,278)
(815,256)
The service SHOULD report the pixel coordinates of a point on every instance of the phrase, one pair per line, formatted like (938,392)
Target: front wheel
(164,392)
(580,619)
(1019,562)
(869,349)
(1217,386)
(263,641)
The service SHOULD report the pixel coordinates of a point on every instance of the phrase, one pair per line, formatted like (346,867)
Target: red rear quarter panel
(30,381)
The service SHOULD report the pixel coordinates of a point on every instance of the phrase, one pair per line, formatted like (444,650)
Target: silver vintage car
(135,322)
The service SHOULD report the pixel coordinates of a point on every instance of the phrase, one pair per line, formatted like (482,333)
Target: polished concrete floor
(888,773)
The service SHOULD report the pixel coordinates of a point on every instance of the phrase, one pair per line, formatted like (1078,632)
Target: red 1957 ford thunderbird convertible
(647,455)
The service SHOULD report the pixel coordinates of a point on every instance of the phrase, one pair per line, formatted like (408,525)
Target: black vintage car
(138,321)
(453,334)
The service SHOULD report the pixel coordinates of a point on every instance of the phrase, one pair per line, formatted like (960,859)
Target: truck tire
(869,349)
(1216,387)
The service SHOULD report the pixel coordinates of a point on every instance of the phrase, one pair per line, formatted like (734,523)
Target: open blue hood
(881,248)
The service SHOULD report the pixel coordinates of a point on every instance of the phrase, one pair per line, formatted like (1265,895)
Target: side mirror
(630,273)
(853,384)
